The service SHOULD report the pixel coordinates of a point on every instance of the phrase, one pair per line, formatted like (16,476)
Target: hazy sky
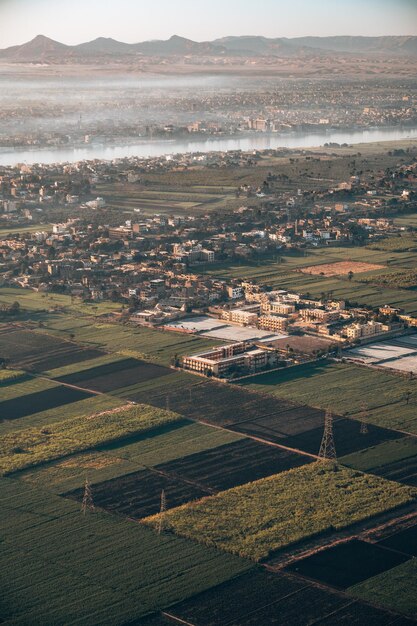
(75,21)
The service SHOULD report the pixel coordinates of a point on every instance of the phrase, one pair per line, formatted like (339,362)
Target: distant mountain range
(42,49)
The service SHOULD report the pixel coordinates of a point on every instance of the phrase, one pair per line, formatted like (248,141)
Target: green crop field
(260,517)
(376,457)
(82,408)
(26,387)
(33,446)
(394,589)
(34,302)
(344,388)
(80,366)
(395,244)
(168,197)
(409,220)
(172,442)
(32,228)
(152,345)
(60,567)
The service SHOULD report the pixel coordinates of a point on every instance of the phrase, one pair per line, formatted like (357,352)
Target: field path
(258,439)
(92,391)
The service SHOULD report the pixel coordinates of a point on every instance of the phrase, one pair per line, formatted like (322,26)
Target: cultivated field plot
(282,424)
(258,518)
(94,569)
(235,599)
(192,477)
(264,598)
(8,376)
(112,376)
(172,441)
(41,401)
(151,344)
(165,198)
(233,464)
(404,541)
(35,446)
(302,428)
(340,268)
(82,408)
(36,352)
(347,564)
(344,388)
(394,589)
(217,403)
(138,494)
(404,471)
(395,460)
(347,436)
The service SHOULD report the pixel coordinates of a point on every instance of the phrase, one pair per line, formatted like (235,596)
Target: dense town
(158,266)
(44,120)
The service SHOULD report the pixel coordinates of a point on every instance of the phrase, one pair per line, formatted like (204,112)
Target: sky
(76,21)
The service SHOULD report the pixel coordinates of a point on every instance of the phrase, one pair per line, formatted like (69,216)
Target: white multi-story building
(274,323)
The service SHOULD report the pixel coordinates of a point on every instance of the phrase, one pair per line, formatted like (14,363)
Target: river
(155,148)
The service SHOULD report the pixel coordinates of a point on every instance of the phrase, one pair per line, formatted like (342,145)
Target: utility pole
(88,503)
(162,510)
(327,448)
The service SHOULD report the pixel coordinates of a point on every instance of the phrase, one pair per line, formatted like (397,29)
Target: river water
(155,148)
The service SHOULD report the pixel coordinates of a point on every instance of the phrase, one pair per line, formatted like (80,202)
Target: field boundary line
(92,391)
(259,439)
(176,619)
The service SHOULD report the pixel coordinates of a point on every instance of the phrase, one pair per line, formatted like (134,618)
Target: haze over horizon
(132,22)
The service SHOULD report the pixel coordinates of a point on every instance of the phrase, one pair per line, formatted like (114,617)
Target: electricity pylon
(88,503)
(364,425)
(327,448)
(162,510)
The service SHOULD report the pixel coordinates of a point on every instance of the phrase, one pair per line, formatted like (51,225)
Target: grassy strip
(8,376)
(33,446)
(260,517)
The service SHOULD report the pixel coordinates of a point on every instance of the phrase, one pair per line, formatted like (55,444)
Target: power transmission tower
(327,448)
(364,428)
(88,503)
(190,394)
(364,425)
(167,403)
(162,510)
